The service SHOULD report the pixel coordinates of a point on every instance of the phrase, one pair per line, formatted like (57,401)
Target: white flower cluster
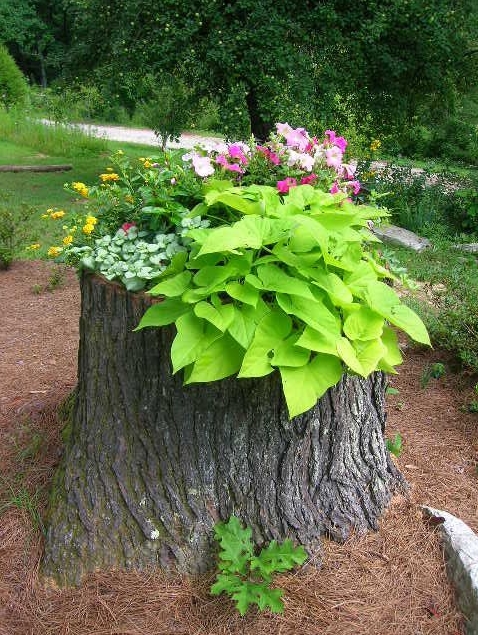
(133,256)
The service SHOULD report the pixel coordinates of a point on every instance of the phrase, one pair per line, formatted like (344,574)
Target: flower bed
(261,255)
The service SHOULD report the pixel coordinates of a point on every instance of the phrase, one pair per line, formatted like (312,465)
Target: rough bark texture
(150,465)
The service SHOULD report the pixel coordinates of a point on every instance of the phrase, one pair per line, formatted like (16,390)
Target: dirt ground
(386,583)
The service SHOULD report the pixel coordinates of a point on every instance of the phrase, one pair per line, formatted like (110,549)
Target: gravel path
(145,136)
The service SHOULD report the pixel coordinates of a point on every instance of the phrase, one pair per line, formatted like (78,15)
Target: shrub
(166,112)
(13,86)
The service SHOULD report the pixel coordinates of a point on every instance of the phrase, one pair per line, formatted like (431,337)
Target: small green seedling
(435,371)
(390,390)
(395,445)
(246,577)
(473,405)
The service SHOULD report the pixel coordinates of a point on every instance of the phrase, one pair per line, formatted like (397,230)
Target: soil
(386,583)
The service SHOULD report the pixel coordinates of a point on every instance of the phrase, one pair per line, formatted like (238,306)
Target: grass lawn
(29,194)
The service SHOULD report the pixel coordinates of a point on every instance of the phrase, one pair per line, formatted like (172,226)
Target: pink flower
(297,139)
(285,185)
(335,188)
(333,157)
(309,179)
(232,167)
(202,165)
(236,152)
(283,129)
(355,185)
(271,156)
(127,226)
(334,140)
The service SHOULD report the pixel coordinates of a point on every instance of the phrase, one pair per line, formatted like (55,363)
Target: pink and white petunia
(202,165)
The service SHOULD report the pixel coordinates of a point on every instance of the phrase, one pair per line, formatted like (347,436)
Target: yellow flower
(88,229)
(111,176)
(45,215)
(128,198)
(147,164)
(91,220)
(50,210)
(57,215)
(375,145)
(67,240)
(34,246)
(80,188)
(53,252)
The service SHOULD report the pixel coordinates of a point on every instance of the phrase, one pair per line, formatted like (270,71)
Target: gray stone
(399,236)
(461,550)
(472,248)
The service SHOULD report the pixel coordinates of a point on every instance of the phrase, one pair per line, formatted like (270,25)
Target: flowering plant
(260,257)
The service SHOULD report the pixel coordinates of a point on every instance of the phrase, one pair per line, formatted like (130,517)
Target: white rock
(461,549)
(399,236)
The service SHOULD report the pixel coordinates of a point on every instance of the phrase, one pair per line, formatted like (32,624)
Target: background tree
(13,87)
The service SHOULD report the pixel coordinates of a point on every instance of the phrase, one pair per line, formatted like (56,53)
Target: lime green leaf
(369,353)
(359,279)
(339,292)
(303,386)
(163,313)
(363,324)
(407,320)
(220,320)
(381,298)
(347,352)
(393,356)
(193,337)
(287,353)
(243,292)
(243,326)
(274,278)
(314,313)
(221,359)
(176,265)
(271,330)
(316,341)
(234,198)
(174,286)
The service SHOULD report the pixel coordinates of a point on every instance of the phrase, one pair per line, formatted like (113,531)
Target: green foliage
(421,201)
(395,445)
(247,577)
(288,286)
(452,315)
(7,237)
(166,111)
(13,86)
(434,371)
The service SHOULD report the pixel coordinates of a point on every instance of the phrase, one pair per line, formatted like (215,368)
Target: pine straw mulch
(391,582)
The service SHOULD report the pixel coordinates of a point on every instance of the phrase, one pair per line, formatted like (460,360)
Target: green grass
(450,311)
(29,194)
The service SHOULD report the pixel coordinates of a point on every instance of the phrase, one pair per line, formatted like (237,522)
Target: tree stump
(151,465)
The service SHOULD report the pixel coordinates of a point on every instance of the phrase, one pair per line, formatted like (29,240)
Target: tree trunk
(150,465)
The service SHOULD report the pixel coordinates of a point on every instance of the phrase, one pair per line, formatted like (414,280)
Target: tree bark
(151,465)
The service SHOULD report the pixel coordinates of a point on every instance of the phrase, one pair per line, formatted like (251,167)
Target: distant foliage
(166,110)
(13,86)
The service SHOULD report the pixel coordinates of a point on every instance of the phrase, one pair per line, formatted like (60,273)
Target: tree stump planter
(151,465)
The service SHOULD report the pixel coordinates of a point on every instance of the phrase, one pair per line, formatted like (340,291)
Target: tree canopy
(386,61)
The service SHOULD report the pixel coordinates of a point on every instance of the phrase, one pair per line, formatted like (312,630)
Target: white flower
(154,535)
(202,165)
